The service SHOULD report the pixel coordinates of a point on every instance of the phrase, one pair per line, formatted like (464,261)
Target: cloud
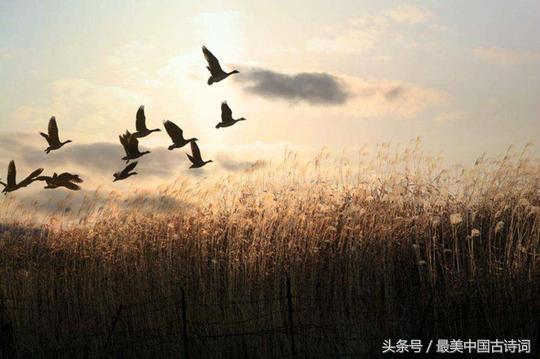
(411,14)
(314,88)
(357,97)
(95,162)
(505,56)
(381,98)
(366,32)
(102,159)
(355,36)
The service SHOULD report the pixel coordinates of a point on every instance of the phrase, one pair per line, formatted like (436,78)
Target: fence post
(184,325)
(111,330)
(290,311)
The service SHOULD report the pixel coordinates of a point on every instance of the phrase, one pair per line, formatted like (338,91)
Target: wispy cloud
(360,34)
(314,88)
(408,13)
(505,56)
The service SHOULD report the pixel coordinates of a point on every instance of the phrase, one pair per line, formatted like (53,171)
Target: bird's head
(241,119)
(235,72)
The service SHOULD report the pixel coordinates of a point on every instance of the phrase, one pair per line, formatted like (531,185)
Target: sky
(463,75)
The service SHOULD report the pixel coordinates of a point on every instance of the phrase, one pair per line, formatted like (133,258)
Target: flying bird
(131,146)
(195,156)
(118,176)
(12,184)
(64,179)
(52,137)
(216,72)
(177,135)
(226,116)
(140,124)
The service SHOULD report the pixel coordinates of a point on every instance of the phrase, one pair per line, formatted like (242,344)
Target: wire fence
(294,328)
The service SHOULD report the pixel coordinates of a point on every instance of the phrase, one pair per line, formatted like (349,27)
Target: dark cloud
(314,88)
(15,142)
(105,159)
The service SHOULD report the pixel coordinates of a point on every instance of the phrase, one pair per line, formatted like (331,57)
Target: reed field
(381,244)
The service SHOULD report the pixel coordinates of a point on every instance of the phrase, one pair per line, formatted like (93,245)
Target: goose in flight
(131,146)
(52,137)
(64,179)
(140,124)
(226,116)
(12,184)
(118,176)
(195,156)
(177,135)
(216,72)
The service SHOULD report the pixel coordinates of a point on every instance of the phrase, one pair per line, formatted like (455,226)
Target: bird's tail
(218,125)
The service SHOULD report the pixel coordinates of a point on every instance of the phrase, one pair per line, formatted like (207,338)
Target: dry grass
(394,224)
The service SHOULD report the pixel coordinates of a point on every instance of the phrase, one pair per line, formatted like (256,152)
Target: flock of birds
(129,142)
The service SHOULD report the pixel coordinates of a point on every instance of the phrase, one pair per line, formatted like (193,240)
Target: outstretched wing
(124,140)
(31,178)
(68,177)
(72,186)
(133,144)
(140,123)
(11,174)
(53,130)
(45,136)
(175,133)
(226,112)
(195,152)
(128,168)
(213,63)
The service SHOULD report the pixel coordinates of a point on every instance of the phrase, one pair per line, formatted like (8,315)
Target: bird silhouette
(177,135)
(52,137)
(216,72)
(118,176)
(64,179)
(12,184)
(131,146)
(140,124)
(226,116)
(195,156)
